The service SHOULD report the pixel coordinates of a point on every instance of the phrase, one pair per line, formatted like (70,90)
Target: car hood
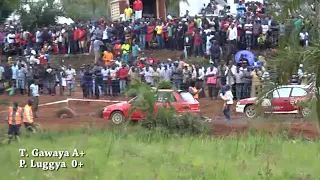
(120,104)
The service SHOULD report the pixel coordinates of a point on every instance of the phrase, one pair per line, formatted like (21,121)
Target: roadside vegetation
(137,153)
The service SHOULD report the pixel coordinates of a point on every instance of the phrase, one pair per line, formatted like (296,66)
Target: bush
(173,123)
(164,85)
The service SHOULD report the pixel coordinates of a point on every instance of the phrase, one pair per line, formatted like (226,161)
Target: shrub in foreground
(172,122)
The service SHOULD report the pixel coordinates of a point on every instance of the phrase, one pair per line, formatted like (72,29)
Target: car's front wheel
(117,117)
(250,111)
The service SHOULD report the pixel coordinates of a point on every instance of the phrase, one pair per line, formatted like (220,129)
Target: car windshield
(135,100)
(187,97)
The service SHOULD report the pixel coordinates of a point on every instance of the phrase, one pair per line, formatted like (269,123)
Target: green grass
(141,154)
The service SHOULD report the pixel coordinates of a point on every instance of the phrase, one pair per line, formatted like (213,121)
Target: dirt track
(213,109)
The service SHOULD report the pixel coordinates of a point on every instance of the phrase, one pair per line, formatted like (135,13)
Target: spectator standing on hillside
(97,47)
(71,75)
(248,31)
(128,12)
(123,77)
(21,78)
(239,82)
(138,8)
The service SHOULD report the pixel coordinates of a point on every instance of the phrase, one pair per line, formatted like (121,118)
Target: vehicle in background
(281,100)
(181,101)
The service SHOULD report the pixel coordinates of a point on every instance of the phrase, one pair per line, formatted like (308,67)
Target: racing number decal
(266,103)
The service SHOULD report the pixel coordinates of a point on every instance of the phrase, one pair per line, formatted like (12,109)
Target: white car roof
(294,86)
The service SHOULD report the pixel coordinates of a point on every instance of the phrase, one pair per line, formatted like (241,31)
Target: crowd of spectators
(119,53)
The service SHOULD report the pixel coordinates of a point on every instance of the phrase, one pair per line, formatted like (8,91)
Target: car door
(296,94)
(281,104)
(267,100)
(136,114)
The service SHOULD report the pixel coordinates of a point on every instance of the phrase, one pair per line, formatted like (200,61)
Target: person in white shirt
(227,96)
(105,36)
(11,38)
(105,74)
(148,74)
(232,34)
(70,78)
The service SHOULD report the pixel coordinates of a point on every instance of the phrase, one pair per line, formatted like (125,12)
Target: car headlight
(238,103)
(105,109)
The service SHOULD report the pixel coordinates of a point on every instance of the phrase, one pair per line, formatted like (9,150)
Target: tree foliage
(6,8)
(43,13)
(290,55)
(173,6)
(83,10)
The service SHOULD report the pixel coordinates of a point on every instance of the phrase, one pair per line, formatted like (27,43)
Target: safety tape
(73,99)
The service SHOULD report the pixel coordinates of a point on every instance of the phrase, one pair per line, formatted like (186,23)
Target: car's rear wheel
(117,117)
(250,111)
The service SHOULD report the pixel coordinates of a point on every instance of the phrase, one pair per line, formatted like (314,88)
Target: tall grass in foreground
(136,153)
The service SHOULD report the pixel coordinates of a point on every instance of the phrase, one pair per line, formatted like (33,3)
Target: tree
(6,8)
(43,13)
(173,6)
(290,55)
(83,10)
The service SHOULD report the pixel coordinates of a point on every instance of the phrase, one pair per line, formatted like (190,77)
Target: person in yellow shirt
(107,57)
(160,40)
(128,12)
(125,52)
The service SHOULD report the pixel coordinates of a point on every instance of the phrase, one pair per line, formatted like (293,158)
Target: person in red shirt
(123,75)
(224,26)
(82,39)
(76,34)
(197,43)
(152,59)
(190,27)
(138,7)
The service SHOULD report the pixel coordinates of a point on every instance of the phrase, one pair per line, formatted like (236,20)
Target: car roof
(165,90)
(294,86)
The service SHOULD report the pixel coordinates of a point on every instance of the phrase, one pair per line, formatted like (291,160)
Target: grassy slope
(144,155)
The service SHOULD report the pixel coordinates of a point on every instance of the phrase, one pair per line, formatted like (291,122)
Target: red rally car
(281,100)
(182,101)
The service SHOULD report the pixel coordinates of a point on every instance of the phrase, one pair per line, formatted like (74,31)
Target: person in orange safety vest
(15,117)
(28,117)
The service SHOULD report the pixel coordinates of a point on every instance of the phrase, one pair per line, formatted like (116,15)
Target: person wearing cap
(15,117)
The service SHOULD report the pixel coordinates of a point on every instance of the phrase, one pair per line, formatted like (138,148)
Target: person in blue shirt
(241,8)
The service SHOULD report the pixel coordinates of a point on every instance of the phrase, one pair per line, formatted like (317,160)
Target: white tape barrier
(72,99)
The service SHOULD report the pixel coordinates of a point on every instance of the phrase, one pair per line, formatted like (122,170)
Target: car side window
(284,92)
(297,92)
(166,97)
